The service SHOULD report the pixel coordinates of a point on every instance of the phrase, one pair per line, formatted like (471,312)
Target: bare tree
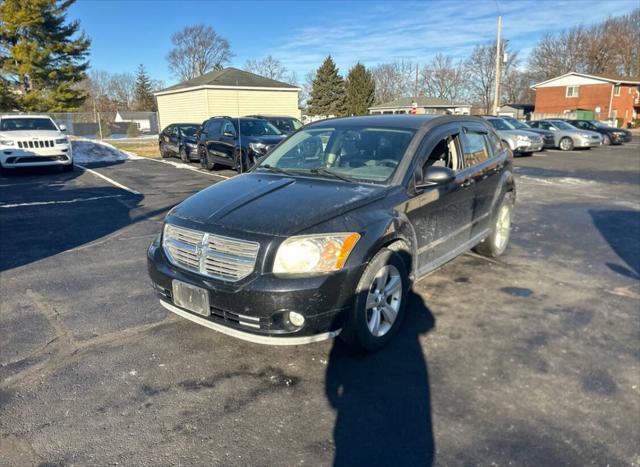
(121,89)
(197,50)
(516,87)
(269,67)
(611,46)
(444,79)
(394,80)
(481,67)
(305,88)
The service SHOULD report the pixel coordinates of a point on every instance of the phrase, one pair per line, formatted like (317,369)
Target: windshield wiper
(275,169)
(331,173)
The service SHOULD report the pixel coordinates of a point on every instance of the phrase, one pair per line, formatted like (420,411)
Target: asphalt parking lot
(532,359)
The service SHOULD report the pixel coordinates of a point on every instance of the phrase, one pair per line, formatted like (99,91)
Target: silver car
(568,136)
(519,141)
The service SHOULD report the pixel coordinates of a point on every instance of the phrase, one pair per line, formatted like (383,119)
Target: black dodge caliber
(325,234)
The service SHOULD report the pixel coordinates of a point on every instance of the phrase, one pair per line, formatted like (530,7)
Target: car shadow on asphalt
(382,400)
(621,230)
(42,214)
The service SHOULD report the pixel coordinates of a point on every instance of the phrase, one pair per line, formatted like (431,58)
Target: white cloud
(416,31)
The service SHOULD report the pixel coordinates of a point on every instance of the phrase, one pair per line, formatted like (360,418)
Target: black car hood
(266,139)
(274,204)
(189,139)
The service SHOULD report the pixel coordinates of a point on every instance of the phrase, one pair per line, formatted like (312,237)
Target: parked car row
(227,141)
(558,133)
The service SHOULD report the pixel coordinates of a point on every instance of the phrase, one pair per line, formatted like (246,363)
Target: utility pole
(416,83)
(496,98)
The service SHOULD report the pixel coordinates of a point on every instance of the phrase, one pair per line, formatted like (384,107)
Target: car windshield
(257,128)
(356,153)
(563,125)
(188,130)
(287,125)
(26,124)
(518,125)
(500,124)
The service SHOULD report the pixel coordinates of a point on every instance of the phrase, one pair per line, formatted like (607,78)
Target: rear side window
(475,148)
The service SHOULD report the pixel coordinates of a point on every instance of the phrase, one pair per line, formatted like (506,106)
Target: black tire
(606,140)
(566,144)
(355,330)
(163,152)
(495,244)
(184,157)
(205,162)
(68,168)
(240,162)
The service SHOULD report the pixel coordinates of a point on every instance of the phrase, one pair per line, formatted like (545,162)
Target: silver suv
(519,141)
(568,136)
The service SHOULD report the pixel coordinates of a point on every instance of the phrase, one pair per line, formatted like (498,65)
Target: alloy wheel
(383,300)
(503,227)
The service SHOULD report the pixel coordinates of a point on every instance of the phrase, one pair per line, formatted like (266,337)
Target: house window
(572,91)
(616,90)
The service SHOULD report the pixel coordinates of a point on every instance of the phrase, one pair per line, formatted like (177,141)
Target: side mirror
(63,127)
(228,134)
(436,176)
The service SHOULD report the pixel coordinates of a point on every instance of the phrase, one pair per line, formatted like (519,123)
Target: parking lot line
(68,201)
(182,165)
(110,180)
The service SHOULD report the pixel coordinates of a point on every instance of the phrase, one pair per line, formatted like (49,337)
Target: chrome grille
(208,254)
(36,144)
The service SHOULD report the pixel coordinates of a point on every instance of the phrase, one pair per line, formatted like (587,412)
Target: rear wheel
(566,144)
(496,243)
(380,303)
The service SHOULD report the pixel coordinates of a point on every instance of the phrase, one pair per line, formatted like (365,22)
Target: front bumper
(524,146)
(256,309)
(617,138)
(11,157)
(587,142)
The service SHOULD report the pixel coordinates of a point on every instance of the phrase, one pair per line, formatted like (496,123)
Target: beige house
(229,92)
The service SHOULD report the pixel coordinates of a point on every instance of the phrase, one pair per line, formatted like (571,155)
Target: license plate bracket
(190,297)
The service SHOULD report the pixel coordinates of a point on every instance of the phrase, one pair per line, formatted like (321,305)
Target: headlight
(314,253)
(258,147)
(6,142)
(585,135)
(191,145)
(522,138)
(62,141)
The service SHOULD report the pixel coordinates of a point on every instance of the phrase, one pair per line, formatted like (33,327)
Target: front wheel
(380,303)
(606,140)
(496,243)
(184,157)
(240,162)
(566,144)
(68,168)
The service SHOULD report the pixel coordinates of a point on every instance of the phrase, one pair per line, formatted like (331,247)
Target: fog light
(296,319)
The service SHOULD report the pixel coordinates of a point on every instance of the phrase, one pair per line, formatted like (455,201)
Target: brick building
(608,97)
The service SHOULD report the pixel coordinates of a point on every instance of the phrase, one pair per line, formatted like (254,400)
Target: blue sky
(301,33)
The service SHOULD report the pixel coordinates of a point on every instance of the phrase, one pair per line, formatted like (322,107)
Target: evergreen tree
(360,89)
(42,55)
(143,93)
(328,95)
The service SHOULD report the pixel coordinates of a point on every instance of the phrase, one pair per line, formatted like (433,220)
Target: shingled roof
(232,77)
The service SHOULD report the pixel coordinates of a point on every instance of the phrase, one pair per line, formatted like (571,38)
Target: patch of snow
(86,151)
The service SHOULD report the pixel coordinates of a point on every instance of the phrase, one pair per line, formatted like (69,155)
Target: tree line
(44,66)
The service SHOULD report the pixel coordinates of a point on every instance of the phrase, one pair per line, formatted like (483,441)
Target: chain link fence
(107,125)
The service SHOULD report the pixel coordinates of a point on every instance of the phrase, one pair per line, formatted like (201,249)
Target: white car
(33,141)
